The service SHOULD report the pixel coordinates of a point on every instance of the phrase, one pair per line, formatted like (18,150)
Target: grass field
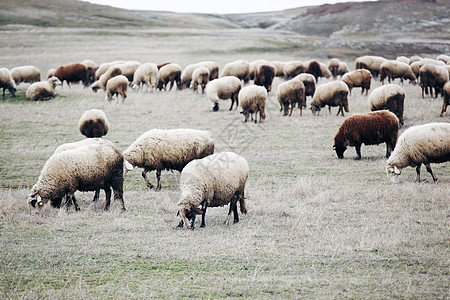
(317,226)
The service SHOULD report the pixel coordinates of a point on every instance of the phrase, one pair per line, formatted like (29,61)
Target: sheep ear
(396,170)
(197,211)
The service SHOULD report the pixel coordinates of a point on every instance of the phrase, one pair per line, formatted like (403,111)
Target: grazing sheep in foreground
(333,66)
(101,82)
(117,86)
(293,68)
(169,73)
(87,168)
(390,97)
(432,76)
(73,73)
(333,93)
(417,145)
(200,77)
(145,74)
(358,78)
(309,82)
(227,87)
(28,74)
(93,123)
(213,181)
(238,68)
(253,100)
(370,129)
(371,63)
(290,93)
(7,82)
(159,149)
(43,90)
(446,101)
(392,69)
(264,75)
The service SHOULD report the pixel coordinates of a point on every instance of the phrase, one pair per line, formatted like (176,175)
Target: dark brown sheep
(73,73)
(370,129)
(264,75)
(314,69)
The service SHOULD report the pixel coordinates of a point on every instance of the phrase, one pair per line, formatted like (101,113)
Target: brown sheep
(358,78)
(73,73)
(264,75)
(314,69)
(446,102)
(370,129)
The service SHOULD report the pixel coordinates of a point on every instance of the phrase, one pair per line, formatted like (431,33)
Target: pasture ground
(317,226)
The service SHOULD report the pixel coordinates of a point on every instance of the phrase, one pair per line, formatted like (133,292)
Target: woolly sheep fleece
(200,77)
(309,82)
(253,100)
(227,87)
(43,90)
(446,98)
(117,86)
(358,78)
(101,82)
(216,179)
(290,93)
(390,97)
(170,73)
(28,74)
(392,69)
(333,93)
(238,68)
(146,74)
(7,82)
(93,123)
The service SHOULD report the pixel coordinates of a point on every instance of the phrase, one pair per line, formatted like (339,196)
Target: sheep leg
(144,174)
(227,220)
(358,151)
(158,179)
(96,195)
(232,102)
(204,206)
(108,198)
(3,93)
(72,196)
(418,173)
(430,171)
(235,210)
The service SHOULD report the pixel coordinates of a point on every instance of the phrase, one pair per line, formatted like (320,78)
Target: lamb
(432,76)
(417,145)
(213,181)
(333,66)
(394,69)
(314,69)
(73,73)
(145,74)
(200,77)
(293,68)
(333,93)
(291,92)
(93,123)
(371,63)
(358,78)
(370,129)
(113,71)
(169,73)
(43,90)
(159,149)
(264,75)
(7,82)
(28,74)
(117,85)
(238,68)
(446,101)
(309,82)
(86,168)
(227,87)
(253,100)
(390,97)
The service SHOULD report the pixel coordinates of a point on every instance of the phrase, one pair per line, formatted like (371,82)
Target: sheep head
(393,173)
(188,216)
(339,150)
(35,201)
(315,109)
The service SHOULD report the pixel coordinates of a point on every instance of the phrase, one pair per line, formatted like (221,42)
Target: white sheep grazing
(145,74)
(213,181)
(112,71)
(93,123)
(213,68)
(169,73)
(293,68)
(334,93)
(86,168)
(309,81)
(28,74)
(393,69)
(227,87)
(43,90)
(290,93)
(159,149)
(433,76)
(421,144)
(200,77)
(105,66)
(371,63)
(358,78)
(7,82)
(117,85)
(238,68)
(253,100)
(390,97)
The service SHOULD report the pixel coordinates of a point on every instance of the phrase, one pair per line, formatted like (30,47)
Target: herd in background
(209,179)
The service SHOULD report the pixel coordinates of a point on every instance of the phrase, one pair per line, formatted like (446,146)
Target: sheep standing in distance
(93,123)
(227,87)
(145,74)
(128,68)
(446,101)
(104,67)
(253,100)
(333,93)
(200,77)
(358,78)
(392,69)
(443,57)
(314,69)
(325,72)
(370,129)
(213,68)
(238,68)
(371,63)
(254,65)
(279,66)
(333,66)
(264,75)
(117,85)
(309,82)
(290,93)
(7,82)
(343,68)
(403,59)
(43,90)
(73,73)
(159,149)
(101,82)
(293,68)
(213,181)
(186,75)
(91,68)
(170,73)
(432,76)
(417,145)
(414,58)
(87,168)
(390,97)
(28,74)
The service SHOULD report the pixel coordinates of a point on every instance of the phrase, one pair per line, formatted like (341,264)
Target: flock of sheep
(209,179)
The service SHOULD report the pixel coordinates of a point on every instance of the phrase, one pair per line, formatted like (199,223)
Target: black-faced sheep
(28,74)
(446,101)
(200,77)
(87,168)
(371,63)
(309,82)
(432,76)
(159,150)
(290,93)
(370,129)
(117,85)
(113,71)
(293,68)
(73,73)
(239,69)
(392,69)
(213,181)
(145,74)
(390,97)
(358,78)
(7,82)
(253,100)
(93,123)
(227,87)
(333,93)
(264,75)
(170,73)
(43,90)
(417,145)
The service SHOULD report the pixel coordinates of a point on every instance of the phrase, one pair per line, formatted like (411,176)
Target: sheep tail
(242,204)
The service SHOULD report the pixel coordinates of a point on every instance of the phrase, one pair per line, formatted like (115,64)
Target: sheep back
(43,90)
(264,74)
(358,78)
(7,82)
(170,73)
(146,74)
(200,76)
(93,123)
(117,85)
(293,68)
(309,82)
(238,68)
(291,92)
(253,100)
(73,73)
(28,74)
(390,97)
(333,93)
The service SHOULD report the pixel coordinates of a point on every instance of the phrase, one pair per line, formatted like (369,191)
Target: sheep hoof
(357,158)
